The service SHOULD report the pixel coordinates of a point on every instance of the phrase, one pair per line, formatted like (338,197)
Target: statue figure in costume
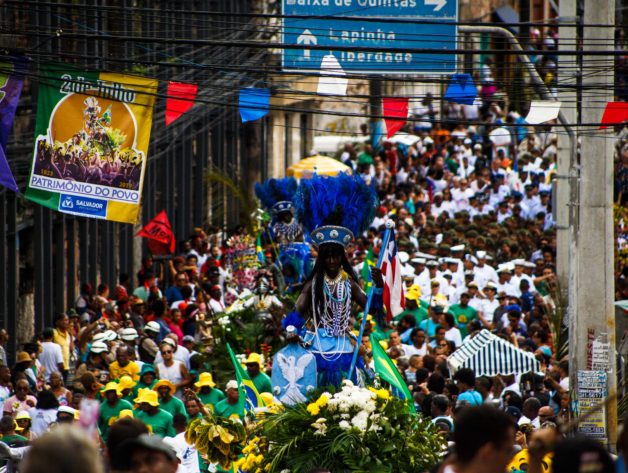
(265,302)
(277,195)
(334,210)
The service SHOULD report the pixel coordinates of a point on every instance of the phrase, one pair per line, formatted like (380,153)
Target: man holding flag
(249,397)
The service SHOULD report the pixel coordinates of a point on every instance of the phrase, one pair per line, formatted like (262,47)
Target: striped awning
(489,355)
(318,164)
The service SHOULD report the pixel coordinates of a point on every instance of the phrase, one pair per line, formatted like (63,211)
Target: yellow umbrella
(318,164)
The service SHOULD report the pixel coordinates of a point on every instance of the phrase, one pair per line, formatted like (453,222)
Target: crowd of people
(471,208)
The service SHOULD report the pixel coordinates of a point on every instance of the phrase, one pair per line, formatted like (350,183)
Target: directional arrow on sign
(438,4)
(308,38)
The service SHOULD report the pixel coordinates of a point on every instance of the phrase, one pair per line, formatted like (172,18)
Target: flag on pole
(259,250)
(158,230)
(387,371)
(247,389)
(394,300)
(365,273)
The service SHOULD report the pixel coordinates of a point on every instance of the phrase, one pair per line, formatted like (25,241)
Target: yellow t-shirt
(65,342)
(116,371)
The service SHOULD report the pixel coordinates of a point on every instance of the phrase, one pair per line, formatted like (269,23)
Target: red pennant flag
(396,107)
(615,112)
(158,231)
(180,100)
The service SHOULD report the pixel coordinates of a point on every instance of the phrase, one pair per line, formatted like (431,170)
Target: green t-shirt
(462,316)
(160,423)
(212,398)
(140,385)
(381,335)
(173,406)
(224,409)
(13,441)
(365,159)
(107,412)
(420,314)
(262,383)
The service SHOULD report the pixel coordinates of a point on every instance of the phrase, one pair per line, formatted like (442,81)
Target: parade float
(329,408)
(355,429)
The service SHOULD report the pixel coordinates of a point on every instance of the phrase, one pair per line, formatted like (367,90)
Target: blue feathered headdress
(277,195)
(335,208)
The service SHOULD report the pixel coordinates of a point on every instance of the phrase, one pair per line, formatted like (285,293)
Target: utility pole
(566,165)
(592,325)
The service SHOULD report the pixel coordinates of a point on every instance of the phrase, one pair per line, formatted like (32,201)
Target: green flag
(387,371)
(247,389)
(365,273)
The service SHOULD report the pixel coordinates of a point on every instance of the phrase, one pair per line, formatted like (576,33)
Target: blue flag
(253,103)
(461,89)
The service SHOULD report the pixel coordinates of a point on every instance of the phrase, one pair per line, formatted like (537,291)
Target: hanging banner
(11,80)
(92,137)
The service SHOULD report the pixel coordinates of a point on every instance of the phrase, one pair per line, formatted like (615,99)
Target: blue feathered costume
(277,196)
(334,210)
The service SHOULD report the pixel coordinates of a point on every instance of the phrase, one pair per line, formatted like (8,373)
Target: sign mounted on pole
(415,25)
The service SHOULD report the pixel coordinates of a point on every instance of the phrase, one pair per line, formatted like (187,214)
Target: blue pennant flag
(461,89)
(253,103)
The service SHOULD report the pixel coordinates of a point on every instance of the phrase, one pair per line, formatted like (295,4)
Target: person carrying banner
(334,210)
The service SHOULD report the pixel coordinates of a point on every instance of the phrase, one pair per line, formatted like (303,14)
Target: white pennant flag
(333,79)
(542,111)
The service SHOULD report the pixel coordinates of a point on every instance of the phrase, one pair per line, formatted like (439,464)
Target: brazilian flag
(249,397)
(259,250)
(387,371)
(365,273)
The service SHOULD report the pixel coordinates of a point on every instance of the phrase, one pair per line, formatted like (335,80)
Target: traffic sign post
(418,24)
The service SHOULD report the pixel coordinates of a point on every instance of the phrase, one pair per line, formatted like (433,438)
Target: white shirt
(5,393)
(182,354)
(501,138)
(453,335)
(50,357)
(42,418)
(188,455)
(411,350)
(484,274)
(488,309)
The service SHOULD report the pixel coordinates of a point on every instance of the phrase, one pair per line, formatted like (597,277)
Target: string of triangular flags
(253,104)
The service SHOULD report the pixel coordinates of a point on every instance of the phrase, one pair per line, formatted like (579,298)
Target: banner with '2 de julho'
(92,136)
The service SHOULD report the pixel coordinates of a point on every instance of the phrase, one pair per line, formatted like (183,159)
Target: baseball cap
(233,384)
(98,347)
(152,326)
(128,334)
(188,338)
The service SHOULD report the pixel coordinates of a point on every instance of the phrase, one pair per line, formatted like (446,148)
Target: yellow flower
(383,393)
(267,467)
(322,401)
(259,458)
(313,409)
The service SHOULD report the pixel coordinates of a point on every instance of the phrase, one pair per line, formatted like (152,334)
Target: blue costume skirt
(333,357)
